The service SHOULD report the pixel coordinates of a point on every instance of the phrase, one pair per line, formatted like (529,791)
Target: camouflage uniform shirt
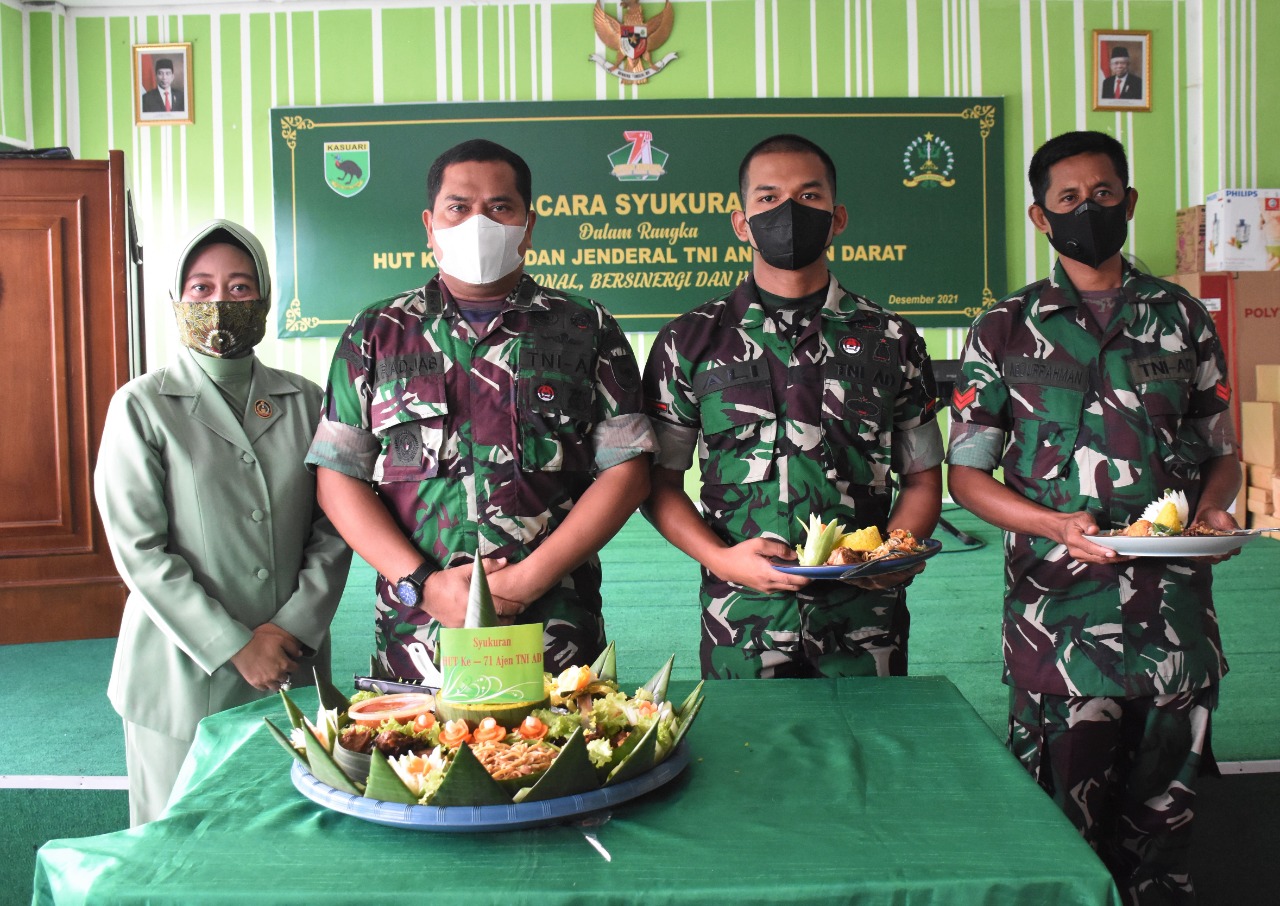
(1083,418)
(791,418)
(483,439)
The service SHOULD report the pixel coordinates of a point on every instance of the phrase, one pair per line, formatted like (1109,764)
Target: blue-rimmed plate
(865,569)
(470,819)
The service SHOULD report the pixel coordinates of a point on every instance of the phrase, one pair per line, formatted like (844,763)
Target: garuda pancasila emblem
(633,39)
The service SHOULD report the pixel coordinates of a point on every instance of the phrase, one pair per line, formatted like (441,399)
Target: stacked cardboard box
(1260,447)
(1242,230)
(1190,227)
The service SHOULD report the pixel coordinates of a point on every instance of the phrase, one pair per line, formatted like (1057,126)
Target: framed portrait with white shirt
(162,85)
(1121,70)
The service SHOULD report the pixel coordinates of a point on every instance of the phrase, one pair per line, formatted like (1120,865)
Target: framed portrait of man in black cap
(1121,70)
(162,85)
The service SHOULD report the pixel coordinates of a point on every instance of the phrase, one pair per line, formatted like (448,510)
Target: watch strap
(420,575)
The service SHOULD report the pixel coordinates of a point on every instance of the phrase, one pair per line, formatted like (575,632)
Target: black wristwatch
(409,589)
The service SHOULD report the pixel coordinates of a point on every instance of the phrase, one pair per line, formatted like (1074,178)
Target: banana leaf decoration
(466,782)
(480,612)
(639,759)
(281,738)
(569,775)
(296,720)
(326,770)
(606,665)
(331,698)
(658,685)
(385,783)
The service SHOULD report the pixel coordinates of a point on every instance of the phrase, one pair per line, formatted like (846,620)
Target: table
(813,791)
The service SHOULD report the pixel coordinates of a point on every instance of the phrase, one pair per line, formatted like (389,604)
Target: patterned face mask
(224,330)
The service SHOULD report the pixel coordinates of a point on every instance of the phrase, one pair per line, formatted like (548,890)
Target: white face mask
(479,250)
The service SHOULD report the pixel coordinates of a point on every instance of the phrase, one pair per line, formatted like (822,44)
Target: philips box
(1242,230)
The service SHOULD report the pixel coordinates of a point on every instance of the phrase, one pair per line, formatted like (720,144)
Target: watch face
(407,592)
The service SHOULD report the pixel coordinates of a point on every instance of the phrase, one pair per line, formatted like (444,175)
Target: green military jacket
(788,423)
(213,523)
(1103,421)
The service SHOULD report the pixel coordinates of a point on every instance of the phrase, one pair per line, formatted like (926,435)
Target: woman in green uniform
(234,572)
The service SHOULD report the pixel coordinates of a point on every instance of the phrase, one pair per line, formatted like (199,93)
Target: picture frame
(1121,70)
(170,64)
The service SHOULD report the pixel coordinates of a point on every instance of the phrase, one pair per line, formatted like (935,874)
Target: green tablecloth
(814,791)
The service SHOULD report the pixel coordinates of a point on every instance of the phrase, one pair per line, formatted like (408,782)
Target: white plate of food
(1174,545)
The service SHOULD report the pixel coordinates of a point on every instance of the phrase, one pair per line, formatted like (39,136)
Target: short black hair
(481,150)
(163,63)
(783,144)
(1069,144)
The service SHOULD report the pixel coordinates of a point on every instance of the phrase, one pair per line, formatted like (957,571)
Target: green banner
(633,200)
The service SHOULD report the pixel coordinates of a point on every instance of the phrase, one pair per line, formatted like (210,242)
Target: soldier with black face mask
(1096,391)
(805,399)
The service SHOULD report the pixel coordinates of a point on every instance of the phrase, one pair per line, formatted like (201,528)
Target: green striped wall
(13,81)
(1213,123)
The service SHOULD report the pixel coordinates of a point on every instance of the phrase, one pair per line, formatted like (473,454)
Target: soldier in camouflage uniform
(801,398)
(1096,390)
(482,415)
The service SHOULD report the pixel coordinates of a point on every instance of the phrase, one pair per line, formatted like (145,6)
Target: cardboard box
(1259,439)
(1275,490)
(1241,505)
(1189,224)
(1261,501)
(1259,476)
(1242,229)
(1245,308)
(1268,377)
(1264,521)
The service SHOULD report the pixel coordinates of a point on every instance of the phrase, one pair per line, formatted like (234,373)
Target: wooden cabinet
(70,335)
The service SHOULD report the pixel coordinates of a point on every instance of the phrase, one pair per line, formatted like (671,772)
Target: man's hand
(898,577)
(1074,530)
(1220,519)
(445,593)
(269,658)
(516,588)
(749,563)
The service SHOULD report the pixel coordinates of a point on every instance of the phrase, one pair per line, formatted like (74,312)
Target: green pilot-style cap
(222,231)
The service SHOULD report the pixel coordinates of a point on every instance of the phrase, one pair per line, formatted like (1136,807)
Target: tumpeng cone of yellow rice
(482,615)
(585,734)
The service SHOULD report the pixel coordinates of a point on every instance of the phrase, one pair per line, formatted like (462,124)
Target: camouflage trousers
(1123,771)
(850,632)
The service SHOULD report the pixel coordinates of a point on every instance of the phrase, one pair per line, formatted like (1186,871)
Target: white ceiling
(154,7)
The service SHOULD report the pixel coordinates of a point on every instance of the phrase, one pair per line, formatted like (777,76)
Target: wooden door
(66,267)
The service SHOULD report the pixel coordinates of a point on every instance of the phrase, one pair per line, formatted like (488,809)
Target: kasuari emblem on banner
(634,40)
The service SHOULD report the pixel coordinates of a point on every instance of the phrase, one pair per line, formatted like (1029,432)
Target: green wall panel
(91,49)
(13,78)
(121,110)
(346,39)
(408,55)
(230,115)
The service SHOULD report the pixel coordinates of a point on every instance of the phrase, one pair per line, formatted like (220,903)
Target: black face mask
(1091,233)
(791,236)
